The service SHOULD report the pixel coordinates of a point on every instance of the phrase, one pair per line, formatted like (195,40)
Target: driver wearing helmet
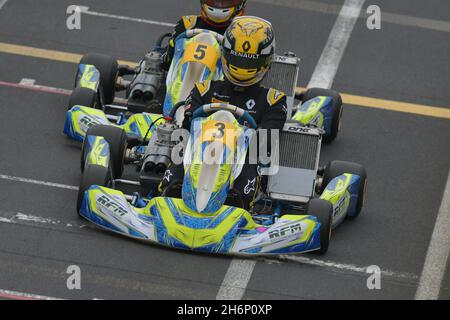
(216,15)
(248,49)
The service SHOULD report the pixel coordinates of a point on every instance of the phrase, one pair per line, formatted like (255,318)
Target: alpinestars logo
(250,186)
(167,175)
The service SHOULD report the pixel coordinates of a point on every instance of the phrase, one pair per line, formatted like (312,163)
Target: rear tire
(117,140)
(83,97)
(323,211)
(108,68)
(93,174)
(336,168)
(337,109)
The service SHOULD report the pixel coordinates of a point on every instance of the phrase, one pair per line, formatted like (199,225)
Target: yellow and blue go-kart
(293,213)
(196,58)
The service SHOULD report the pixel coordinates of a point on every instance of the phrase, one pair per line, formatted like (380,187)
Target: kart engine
(145,86)
(158,154)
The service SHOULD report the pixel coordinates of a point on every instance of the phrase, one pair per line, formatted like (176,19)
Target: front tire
(83,97)
(93,174)
(323,211)
(336,168)
(117,140)
(337,109)
(109,69)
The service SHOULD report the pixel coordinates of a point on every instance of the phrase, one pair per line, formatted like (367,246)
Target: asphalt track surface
(407,157)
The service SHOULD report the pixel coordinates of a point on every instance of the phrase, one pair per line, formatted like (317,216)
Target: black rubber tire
(117,140)
(93,174)
(109,69)
(335,168)
(337,109)
(83,97)
(323,211)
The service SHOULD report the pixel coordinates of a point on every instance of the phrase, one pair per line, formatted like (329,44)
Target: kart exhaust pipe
(138,93)
(149,167)
(160,168)
(148,96)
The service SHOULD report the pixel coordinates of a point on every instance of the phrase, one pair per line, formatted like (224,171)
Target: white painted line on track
(239,272)
(2,3)
(29,84)
(346,267)
(15,295)
(330,59)
(26,219)
(85,10)
(38,182)
(236,279)
(438,252)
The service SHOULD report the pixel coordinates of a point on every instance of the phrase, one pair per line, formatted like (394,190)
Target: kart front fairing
(195,60)
(169,222)
(317,112)
(79,119)
(214,158)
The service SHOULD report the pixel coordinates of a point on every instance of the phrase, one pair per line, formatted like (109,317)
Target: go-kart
(294,211)
(99,77)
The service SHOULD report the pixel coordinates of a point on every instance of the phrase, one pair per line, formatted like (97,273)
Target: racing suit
(188,23)
(268,108)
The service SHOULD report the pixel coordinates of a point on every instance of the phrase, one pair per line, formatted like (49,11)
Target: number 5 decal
(200,53)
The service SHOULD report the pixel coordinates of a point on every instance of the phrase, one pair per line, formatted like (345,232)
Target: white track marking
(386,17)
(313,6)
(26,219)
(346,267)
(30,84)
(2,3)
(240,271)
(85,10)
(27,82)
(15,295)
(330,59)
(38,182)
(438,252)
(236,279)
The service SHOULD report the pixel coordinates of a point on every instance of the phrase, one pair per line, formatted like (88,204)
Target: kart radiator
(299,151)
(305,146)
(283,76)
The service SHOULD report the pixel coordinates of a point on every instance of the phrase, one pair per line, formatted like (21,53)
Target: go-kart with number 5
(99,77)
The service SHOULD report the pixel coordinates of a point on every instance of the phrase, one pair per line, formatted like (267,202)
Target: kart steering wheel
(213,107)
(194,32)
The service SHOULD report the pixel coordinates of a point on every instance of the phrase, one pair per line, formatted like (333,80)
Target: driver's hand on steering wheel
(187,118)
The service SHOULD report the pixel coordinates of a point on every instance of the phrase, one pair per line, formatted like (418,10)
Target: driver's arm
(274,115)
(179,29)
(199,96)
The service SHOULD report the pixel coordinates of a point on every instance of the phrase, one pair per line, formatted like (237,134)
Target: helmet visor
(222,3)
(246,60)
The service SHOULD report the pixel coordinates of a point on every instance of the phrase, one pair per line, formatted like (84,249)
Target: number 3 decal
(220,127)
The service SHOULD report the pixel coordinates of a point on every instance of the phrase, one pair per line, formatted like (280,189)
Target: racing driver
(248,49)
(216,15)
